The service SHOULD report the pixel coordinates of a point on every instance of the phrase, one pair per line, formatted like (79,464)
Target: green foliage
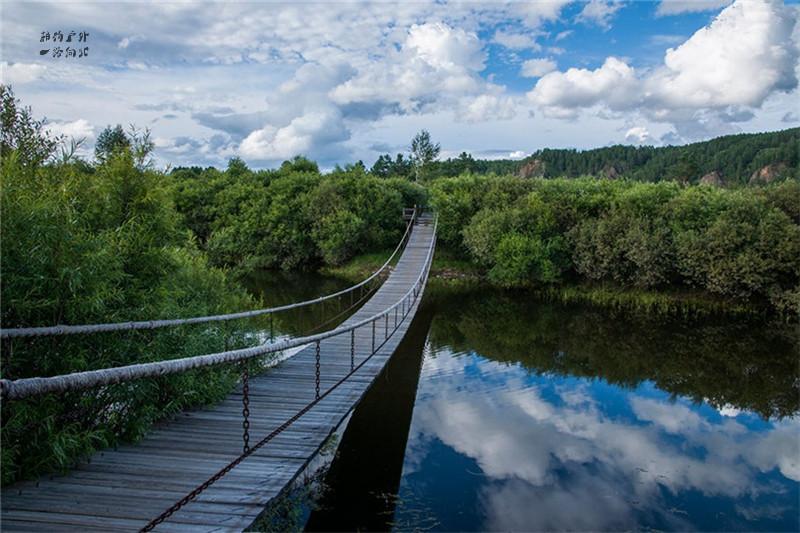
(384,167)
(423,152)
(83,245)
(735,157)
(742,245)
(21,135)
(111,141)
(293,217)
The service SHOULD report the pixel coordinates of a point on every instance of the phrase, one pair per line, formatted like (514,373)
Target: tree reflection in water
(539,416)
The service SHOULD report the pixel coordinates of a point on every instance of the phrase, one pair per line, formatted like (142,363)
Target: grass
(664,302)
(446,265)
(451,270)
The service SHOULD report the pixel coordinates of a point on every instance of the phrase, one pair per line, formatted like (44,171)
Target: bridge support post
(373,336)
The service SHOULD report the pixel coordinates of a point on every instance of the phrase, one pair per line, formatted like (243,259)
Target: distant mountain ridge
(748,158)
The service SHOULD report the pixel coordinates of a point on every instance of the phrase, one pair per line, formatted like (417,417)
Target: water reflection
(563,453)
(532,416)
(723,361)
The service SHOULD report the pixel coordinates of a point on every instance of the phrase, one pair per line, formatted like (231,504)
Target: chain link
(316,384)
(245,409)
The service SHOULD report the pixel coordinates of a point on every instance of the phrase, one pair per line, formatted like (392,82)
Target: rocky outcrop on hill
(610,172)
(768,174)
(713,179)
(532,169)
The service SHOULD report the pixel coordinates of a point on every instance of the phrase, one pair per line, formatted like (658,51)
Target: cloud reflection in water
(565,453)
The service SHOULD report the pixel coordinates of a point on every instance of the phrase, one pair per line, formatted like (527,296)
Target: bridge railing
(35,386)
(154,324)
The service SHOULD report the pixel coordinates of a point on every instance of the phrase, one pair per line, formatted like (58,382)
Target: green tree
(111,141)
(21,134)
(382,167)
(423,152)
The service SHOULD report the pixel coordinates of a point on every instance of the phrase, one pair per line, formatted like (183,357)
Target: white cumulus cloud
(714,79)
(19,73)
(77,129)
(599,12)
(487,107)
(638,135)
(677,7)
(306,133)
(436,65)
(538,67)
(613,83)
(746,54)
(515,41)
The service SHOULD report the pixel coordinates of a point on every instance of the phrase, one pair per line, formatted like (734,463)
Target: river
(502,413)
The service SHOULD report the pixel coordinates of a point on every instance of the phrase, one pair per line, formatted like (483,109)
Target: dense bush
(293,217)
(86,244)
(742,244)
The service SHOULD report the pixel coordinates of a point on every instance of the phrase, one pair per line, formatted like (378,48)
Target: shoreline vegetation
(449,273)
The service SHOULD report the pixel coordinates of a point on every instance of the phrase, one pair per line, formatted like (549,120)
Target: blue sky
(341,81)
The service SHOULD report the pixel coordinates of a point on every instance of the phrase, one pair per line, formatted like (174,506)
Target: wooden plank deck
(124,489)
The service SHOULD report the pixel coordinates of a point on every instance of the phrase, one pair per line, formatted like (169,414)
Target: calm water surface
(502,413)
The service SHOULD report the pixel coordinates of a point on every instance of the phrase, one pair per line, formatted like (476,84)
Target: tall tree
(382,167)
(21,133)
(423,152)
(110,141)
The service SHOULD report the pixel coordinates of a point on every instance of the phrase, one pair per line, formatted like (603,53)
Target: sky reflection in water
(522,451)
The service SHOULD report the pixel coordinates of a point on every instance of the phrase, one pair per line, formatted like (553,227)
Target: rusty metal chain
(245,409)
(316,383)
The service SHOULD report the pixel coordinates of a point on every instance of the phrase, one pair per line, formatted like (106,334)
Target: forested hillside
(731,160)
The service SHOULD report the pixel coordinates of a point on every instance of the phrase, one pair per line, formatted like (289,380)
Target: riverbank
(450,272)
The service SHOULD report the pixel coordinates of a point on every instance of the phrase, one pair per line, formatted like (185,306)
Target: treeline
(740,245)
(730,160)
(737,158)
(293,217)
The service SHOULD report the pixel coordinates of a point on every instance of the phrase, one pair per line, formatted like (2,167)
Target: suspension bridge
(216,468)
